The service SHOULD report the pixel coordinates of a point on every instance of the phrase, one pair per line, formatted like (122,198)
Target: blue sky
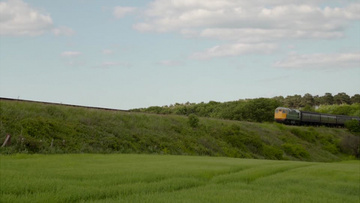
(132,54)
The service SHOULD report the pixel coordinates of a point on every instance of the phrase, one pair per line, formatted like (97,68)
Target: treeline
(298,101)
(262,109)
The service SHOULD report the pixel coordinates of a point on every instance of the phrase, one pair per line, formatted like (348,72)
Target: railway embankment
(53,128)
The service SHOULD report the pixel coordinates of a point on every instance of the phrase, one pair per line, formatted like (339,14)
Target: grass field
(165,178)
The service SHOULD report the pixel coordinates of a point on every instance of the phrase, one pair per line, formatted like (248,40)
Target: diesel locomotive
(297,117)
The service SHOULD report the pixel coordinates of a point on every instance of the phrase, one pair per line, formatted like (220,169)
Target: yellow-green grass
(165,178)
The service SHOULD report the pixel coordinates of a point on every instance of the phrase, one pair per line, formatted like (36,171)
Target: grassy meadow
(168,178)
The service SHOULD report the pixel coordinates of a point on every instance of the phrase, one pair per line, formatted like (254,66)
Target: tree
(355,99)
(281,99)
(327,99)
(260,110)
(293,101)
(342,98)
(307,100)
(317,100)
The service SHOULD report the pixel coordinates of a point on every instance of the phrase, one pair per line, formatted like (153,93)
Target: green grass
(165,178)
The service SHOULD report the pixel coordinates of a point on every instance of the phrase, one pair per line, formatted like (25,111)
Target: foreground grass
(159,178)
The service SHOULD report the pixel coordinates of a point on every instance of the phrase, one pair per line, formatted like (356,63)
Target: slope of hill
(46,128)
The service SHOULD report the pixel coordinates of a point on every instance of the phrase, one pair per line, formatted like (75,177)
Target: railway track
(61,104)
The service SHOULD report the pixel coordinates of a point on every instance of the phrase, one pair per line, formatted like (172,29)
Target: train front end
(281,114)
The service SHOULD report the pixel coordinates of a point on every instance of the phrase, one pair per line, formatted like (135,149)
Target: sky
(133,54)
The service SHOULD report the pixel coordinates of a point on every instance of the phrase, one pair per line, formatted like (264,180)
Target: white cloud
(248,26)
(71,53)
(235,50)
(18,18)
(256,35)
(62,30)
(107,51)
(254,20)
(170,63)
(323,61)
(109,64)
(120,12)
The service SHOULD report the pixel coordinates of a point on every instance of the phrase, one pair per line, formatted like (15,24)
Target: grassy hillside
(43,128)
(145,178)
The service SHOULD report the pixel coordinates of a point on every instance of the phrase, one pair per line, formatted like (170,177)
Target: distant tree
(342,98)
(355,99)
(317,100)
(293,101)
(308,108)
(259,110)
(327,99)
(154,109)
(280,99)
(307,100)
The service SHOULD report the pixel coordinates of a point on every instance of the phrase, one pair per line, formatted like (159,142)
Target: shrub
(295,150)
(193,120)
(331,148)
(33,145)
(305,135)
(351,145)
(352,125)
(271,152)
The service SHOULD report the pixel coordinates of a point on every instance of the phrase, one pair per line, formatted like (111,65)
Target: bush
(295,150)
(331,148)
(352,125)
(309,136)
(193,120)
(351,145)
(271,152)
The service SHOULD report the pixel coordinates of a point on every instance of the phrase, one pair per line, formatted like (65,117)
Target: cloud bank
(17,18)
(244,26)
(120,12)
(70,53)
(324,61)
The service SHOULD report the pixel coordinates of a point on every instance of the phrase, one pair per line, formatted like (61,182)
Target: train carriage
(310,117)
(296,117)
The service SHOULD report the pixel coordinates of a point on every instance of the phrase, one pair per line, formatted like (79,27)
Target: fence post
(7,141)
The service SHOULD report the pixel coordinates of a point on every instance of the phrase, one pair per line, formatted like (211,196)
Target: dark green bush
(193,120)
(352,125)
(350,145)
(32,145)
(295,150)
(309,136)
(271,152)
(331,148)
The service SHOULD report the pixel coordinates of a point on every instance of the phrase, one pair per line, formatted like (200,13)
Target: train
(297,117)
